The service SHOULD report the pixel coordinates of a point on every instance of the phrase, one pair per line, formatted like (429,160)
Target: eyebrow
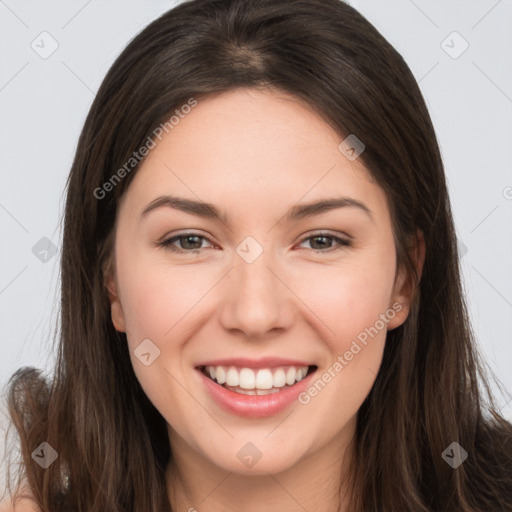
(297,212)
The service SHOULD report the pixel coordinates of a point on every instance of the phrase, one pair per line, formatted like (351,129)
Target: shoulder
(23,504)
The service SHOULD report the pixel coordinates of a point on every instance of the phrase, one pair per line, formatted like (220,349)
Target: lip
(263,362)
(254,406)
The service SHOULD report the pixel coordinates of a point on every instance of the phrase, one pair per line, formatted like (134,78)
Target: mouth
(257,381)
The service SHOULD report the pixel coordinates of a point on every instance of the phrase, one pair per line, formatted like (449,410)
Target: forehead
(252,148)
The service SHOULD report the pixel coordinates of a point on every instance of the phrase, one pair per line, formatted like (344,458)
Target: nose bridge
(253,273)
(256,300)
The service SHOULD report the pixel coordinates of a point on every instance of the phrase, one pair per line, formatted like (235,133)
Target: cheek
(156,294)
(350,298)
(159,301)
(354,303)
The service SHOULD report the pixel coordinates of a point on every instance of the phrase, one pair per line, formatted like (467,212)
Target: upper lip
(264,362)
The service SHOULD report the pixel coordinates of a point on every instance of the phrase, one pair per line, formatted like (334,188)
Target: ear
(116,310)
(405,288)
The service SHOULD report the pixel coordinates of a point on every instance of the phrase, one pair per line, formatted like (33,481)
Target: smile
(255,392)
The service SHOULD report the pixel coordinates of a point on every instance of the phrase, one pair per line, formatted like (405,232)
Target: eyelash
(167,244)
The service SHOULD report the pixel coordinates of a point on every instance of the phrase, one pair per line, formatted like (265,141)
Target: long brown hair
(112,443)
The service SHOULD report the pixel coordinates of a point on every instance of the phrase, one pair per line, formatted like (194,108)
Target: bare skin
(254,155)
(24,503)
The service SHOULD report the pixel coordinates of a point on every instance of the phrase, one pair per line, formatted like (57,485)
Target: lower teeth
(238,389)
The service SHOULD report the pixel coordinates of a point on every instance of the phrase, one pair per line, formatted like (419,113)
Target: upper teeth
(264,378)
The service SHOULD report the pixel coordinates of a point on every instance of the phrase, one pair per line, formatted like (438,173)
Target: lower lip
(254,406)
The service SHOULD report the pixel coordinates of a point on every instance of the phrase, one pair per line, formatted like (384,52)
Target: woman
(257,368)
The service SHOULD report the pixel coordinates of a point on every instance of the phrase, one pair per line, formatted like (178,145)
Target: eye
(321,239)
(190,243)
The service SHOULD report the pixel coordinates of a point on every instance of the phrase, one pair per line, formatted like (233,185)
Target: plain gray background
(44,100)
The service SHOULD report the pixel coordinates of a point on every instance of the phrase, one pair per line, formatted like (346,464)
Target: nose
(256,301)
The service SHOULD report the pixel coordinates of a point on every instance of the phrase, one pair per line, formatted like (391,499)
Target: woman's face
(259,293)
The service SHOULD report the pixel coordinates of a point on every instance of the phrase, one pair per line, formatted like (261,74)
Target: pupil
(188,238)
(320,238)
